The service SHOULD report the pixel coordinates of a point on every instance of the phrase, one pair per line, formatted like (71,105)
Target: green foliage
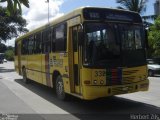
(154,39)
(14,6)
(9,51)
(133,5)
(9,55)
(11,26)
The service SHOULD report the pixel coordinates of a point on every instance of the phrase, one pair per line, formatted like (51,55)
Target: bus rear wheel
(25,79)
(60,88)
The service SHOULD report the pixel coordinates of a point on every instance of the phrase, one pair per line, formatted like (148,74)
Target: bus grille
(129,76)
(130,72)
(120,76)
(128,80)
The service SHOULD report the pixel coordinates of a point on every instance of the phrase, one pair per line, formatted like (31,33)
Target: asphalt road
(34,101)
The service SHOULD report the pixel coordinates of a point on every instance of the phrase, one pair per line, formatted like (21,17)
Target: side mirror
(80,38)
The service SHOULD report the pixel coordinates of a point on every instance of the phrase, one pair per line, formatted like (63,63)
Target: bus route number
(100,73)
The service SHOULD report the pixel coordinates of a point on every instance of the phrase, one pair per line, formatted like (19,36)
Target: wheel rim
(60,88)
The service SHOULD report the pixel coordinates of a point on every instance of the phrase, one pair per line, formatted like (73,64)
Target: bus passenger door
(74,60)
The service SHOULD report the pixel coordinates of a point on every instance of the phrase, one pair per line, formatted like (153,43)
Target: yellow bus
(89,53)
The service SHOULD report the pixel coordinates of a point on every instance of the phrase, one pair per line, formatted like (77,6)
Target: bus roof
(75,12)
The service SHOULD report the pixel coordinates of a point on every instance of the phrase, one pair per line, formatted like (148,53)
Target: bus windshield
(110,42)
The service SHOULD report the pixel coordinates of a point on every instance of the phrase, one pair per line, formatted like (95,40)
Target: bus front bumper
(93,92)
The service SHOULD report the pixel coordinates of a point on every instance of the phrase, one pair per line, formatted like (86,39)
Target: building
(157,7)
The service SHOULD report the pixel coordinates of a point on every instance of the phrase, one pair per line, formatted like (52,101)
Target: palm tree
(133,5)
(15,5)
(137,6)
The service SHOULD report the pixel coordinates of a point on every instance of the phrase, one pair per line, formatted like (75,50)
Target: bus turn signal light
(87,82)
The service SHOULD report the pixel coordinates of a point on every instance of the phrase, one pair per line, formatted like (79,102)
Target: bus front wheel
(60,88)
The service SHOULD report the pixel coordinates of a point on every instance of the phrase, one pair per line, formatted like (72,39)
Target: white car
(4,60)
(153,67)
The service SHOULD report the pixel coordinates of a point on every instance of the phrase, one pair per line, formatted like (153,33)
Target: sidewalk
(10,103)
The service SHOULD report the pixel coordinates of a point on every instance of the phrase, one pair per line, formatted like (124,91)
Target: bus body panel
(93,92)
(133,79)
(34,67)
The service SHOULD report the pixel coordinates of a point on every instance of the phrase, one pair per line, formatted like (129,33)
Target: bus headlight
(102,82)
(95,81)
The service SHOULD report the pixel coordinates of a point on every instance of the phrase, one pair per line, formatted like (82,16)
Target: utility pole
(48,9)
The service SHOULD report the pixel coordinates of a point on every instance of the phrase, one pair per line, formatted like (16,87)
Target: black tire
(25,79)
(150,73)
(60,88)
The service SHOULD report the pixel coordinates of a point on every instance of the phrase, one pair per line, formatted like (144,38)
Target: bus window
(100,43)
(53,40)
(37,47)
(24,46)
(46,42)
(131,37)
(60,34)
(31,45)
(138,39)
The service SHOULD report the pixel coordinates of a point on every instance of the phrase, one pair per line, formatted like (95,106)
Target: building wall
(157,7)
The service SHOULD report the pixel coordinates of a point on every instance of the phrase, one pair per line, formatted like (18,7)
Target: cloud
(37,14)
(4,4)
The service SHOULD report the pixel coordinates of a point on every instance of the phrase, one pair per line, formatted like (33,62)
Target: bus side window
(31,45)
(37,47)
(43,41)
(49,38)
(35,44)
(60,34)
(53,40)
(43,37)
(46,43)
(24,46)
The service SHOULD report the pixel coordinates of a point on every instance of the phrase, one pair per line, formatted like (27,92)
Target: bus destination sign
(111,14)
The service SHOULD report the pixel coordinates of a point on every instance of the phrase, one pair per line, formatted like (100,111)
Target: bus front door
(74,61)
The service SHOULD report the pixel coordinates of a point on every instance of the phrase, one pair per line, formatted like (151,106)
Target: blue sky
(69,5)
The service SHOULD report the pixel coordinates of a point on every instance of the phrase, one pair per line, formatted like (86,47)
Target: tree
(154,39)
(11,26)
(133,5)
(15,5)
(9,55)
(137,6)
